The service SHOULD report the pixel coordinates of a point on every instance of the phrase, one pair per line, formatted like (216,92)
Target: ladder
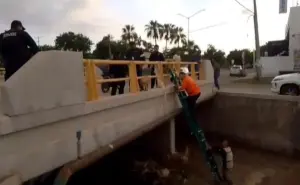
(196,129)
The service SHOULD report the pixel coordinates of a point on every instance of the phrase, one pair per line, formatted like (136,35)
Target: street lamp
(188,18)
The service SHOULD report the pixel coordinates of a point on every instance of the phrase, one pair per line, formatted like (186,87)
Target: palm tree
(153,30)
(128,33)
(107,39)
(179,36)
(191,46)
(137,39)
(168,33)
(147,45)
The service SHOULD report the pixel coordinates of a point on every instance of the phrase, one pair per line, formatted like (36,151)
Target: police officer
(155,56)
(16,48)
(134,53)
(118,71)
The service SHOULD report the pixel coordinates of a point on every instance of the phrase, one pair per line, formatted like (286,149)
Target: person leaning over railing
(118,71)
(192,89)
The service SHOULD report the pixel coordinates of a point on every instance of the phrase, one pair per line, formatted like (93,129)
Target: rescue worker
(155,56)
(192,88)
(118,71)
(135,54)
(16,48)
(226,155)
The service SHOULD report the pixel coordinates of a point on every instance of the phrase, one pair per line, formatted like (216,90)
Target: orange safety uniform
(190,86)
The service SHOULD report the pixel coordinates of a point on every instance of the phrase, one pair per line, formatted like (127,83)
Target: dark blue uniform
(16,48)
(155,56)
(135,54)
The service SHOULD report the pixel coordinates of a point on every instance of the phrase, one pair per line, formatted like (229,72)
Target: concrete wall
(267,122)
(48,80)
(294,29)
(101,122)
(272,65)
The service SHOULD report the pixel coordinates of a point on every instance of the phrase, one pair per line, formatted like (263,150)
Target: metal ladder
(196,129)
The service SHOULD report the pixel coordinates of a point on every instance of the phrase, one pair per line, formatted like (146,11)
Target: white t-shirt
(177,58)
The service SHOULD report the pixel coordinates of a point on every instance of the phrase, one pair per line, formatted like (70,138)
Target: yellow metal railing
(161,67)
(92,80)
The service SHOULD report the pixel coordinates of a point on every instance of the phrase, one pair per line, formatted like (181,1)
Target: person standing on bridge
(216,67)
(155,56)
(135,54)
(118,71)
(192,89)
(16,48)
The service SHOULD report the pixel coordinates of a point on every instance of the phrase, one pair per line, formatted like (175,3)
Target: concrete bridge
(50,100)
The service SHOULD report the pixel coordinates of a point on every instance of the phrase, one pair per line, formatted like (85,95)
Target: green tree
(236,56)
(128,33)
(73,42)
(138,40)
(153,30)
(107,47)
(190,46)
(168,33)
(47,47)
(147,45)
(179,36)
(213,54)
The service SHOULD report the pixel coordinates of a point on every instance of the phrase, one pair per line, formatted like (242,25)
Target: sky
(46,19)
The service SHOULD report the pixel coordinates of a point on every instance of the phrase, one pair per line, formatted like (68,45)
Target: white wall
(294,29)
(272,65)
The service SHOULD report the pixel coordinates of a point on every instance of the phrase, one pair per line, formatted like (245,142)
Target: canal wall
(269,122)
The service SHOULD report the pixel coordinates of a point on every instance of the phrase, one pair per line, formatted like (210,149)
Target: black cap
(16,23)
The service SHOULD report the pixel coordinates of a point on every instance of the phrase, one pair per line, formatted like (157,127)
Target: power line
(211,26)
(243,6)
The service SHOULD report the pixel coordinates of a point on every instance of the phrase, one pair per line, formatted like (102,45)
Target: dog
(145,80)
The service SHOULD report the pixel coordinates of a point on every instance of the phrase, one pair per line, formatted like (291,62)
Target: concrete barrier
(269,122)
(48,80)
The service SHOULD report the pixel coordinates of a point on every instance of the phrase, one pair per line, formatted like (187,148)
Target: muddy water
(252,167)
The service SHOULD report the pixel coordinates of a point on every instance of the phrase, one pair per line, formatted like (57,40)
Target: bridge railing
(92,80)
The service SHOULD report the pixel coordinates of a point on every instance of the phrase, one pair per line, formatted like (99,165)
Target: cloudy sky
(96,18)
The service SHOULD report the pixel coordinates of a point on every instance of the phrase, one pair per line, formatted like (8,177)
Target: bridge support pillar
(172,136)
(161,141)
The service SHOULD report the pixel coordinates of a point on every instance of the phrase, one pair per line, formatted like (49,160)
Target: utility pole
(257,45)
(38,40)
(188,19)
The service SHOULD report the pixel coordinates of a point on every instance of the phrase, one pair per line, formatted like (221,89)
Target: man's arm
(31,43)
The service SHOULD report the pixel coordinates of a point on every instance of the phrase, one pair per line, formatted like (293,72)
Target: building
(283,55)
